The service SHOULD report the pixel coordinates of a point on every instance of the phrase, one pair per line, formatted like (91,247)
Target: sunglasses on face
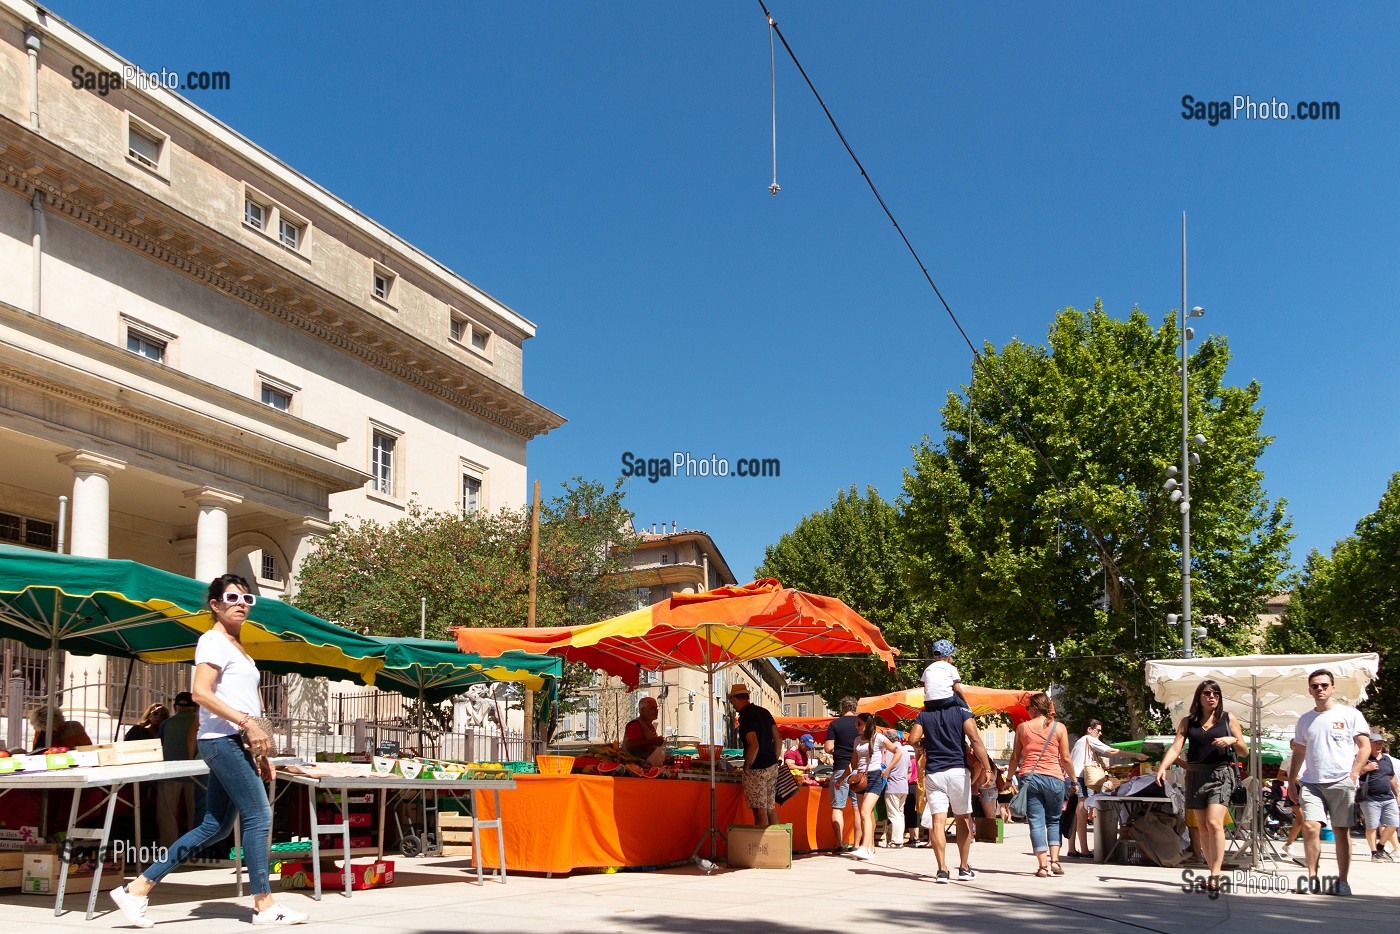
(1317,687)
(1210,693)
(233,598)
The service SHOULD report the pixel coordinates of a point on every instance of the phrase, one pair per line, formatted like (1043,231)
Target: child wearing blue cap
(942,683)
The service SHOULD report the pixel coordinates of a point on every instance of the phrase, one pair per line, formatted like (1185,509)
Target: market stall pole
(705,632)
(1268,692)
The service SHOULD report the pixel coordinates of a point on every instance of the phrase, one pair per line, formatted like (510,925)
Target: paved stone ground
(820,893)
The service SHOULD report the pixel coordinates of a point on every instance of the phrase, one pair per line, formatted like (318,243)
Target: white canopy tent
(1267,692)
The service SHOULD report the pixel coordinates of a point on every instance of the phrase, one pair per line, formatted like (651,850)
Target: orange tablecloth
(557,823)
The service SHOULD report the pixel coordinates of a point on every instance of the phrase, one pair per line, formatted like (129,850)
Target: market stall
(110,781)
(706,632)
(340,782)
(559,823)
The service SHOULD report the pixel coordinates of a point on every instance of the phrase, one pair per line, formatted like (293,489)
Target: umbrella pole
(711,832)
(121,709)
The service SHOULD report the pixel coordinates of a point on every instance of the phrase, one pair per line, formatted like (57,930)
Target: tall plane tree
(1061,570)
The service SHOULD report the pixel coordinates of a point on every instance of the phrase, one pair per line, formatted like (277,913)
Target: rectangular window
(787,710)
(254,214)
(147,346)
(479,338)
(381,466)
(268,571)
(143,147)
(22,530)
(289,233)
(459,329)
(471,494)
(802,710)
(383,285)
(466,331)
(279,399)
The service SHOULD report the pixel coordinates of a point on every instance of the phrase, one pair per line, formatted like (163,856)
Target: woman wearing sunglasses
(1211,737)
(226,689)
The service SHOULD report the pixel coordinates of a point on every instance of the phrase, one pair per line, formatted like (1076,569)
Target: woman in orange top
(1041,760)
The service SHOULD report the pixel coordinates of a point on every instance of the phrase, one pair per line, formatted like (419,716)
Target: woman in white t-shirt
(1074,826)
(226,689)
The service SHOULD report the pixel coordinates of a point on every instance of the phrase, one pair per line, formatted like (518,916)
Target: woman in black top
(1211,737)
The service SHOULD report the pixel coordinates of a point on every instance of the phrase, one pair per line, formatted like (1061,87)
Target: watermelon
(608,768)
(653,772)
(636,770)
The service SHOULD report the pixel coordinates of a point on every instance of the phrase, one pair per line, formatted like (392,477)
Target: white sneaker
(280,914)
(865,854)
(133,906)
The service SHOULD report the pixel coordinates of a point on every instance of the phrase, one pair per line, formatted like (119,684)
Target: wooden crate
(455,832)
(138,750)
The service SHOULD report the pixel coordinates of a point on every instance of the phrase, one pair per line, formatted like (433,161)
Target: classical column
(211,532)
(91,501)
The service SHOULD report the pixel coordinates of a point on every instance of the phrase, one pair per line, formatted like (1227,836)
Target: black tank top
(1200,745)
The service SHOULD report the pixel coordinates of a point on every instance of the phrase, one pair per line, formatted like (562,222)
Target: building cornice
(123,214)
(63,383)
(219,398)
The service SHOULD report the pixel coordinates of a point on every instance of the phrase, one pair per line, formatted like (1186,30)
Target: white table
(111,779)
(342,785)
(1106,819)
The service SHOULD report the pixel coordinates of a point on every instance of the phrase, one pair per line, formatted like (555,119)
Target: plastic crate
(555,765)
(516,768)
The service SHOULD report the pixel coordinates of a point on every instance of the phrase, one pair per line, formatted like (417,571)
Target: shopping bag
(786,785)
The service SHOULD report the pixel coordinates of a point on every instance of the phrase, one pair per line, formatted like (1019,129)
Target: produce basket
(555,765)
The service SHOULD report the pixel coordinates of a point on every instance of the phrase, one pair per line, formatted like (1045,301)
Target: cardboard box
(138,750)
(41,865)
(759,847)
(990,830)
(11,860)
(354,818)
(364,876)
(11,878)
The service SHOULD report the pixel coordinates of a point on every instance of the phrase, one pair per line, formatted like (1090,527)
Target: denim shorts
(875,783)
(840,791)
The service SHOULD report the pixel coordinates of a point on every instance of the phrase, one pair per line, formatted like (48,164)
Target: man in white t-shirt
(1332,743)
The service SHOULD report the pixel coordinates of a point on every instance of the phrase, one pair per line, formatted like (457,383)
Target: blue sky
(602,168)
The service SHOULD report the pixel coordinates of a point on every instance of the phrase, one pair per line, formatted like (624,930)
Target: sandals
(1056,868)
(1042,873)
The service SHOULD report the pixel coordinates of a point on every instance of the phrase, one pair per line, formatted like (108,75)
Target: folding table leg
(67,853)
(101,849)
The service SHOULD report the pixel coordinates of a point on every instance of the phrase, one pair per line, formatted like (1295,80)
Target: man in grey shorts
(1335,744)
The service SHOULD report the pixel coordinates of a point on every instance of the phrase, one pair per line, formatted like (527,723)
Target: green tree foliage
(1350,602)
(474,570)
(1090,566)
(852,551)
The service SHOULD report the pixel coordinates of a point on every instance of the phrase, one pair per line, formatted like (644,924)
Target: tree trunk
(1137,709)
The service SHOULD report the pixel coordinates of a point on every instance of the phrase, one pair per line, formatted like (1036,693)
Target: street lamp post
(1181,489)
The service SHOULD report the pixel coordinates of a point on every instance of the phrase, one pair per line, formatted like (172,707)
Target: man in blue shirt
(943,737)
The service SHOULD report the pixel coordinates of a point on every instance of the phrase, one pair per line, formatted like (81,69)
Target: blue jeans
(234,791)
(1044,802)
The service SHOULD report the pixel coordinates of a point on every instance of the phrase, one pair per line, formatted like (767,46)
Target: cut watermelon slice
(653,772)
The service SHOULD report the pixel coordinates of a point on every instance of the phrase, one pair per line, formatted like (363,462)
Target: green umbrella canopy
(100,606)
(436,670)
(1272,750)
